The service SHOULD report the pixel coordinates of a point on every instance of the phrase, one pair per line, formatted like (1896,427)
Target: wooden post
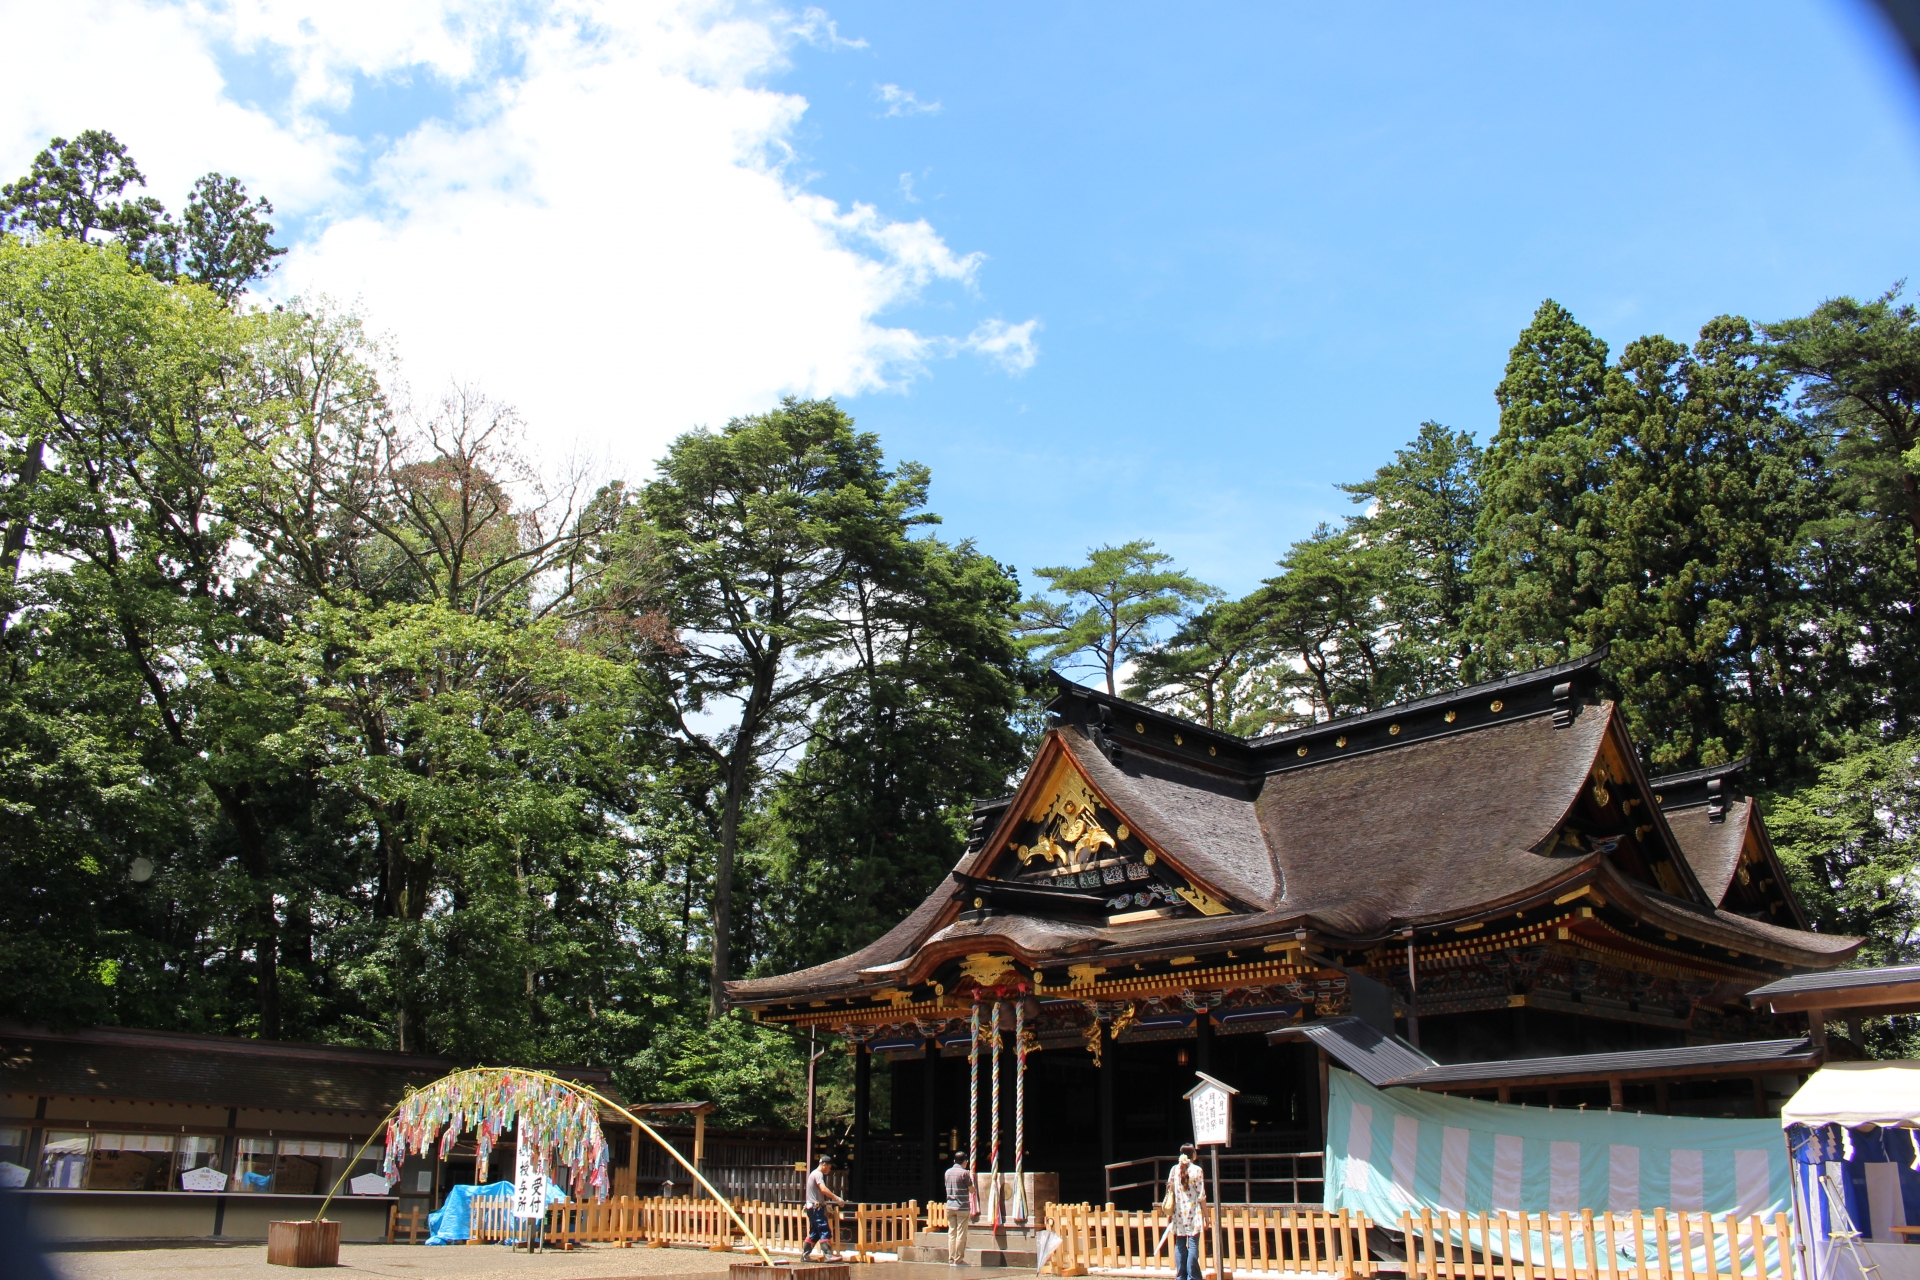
(1202,1041)
(930,1121)
(1108,1069)
(1326,1095)
(700,1141)
(1616,1094)
(633,1162)
(1759,1098)
(1663,1098)
(862,1106)
(1817,1028)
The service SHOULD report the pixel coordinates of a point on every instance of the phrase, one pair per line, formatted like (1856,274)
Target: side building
(1488,873)
(119,1134)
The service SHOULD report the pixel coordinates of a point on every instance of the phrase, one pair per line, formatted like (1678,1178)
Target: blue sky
(1112,270)
(1267,241)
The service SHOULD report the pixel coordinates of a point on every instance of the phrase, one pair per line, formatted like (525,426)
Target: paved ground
(480,1262)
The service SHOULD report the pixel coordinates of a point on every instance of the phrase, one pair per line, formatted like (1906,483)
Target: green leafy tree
(226,236)
(1860,368)
(1111,607)
(1207,669)
(1537,557)
(1422,509)
(1850,840)
(875,813)
(71,190)
(1323,625)
(766,530)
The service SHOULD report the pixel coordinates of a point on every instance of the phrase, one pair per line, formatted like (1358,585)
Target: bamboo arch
(504,1077)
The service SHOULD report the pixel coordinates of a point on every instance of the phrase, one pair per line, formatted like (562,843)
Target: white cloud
(1011,346)
(901,102)
(602,230)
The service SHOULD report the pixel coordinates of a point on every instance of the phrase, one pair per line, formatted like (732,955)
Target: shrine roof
(1712,846)
(1428,815)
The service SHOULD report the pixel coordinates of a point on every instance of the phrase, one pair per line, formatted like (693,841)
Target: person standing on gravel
(818,1193)
(959,1208)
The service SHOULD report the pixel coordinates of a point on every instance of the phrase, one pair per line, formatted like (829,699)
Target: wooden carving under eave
(988,970)
(1201,901)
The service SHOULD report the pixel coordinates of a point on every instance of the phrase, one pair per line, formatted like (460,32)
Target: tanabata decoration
(558,1124)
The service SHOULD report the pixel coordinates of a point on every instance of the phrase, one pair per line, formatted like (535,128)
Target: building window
(296,1166)
(13,1157)
(130,1162)
(195,1152)
(63,1160)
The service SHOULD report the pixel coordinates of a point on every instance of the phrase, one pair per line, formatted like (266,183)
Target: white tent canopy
(1856,1094)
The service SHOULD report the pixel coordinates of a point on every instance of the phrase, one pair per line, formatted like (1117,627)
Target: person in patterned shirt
(1187,1202)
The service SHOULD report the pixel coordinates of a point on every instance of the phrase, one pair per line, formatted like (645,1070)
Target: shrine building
(1485,876)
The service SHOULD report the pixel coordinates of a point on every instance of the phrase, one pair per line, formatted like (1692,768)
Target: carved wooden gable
(1067,838)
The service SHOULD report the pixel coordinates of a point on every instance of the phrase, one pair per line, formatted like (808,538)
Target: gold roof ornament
(988,969)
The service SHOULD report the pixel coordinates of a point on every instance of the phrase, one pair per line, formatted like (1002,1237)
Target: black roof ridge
(1434,701)
(1705,774)
(1585,662)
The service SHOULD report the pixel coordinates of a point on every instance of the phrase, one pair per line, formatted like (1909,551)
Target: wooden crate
(761,1271)
(303,1244)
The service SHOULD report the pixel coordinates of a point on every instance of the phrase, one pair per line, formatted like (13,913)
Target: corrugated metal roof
(1739,1056)
(1836,980)
(1382,1060)
(1361,1048)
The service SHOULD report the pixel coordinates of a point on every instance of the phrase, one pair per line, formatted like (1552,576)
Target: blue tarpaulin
(450,1221)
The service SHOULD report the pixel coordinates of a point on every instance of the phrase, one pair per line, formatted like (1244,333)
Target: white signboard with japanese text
(367,1184)
(529,1185)
(1212,1105)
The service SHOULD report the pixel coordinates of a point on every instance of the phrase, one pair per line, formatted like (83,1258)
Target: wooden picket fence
(687,1222)
(1281,1240)
(1654,1245)
(1255,1238)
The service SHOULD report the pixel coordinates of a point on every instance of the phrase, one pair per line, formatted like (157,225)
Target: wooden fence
(1257,1238)
(1283,1240)
(1654,1245)
(863,1230)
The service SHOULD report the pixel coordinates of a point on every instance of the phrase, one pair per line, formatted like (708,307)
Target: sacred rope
(994,1044)
(973,1111)
(1020,1109)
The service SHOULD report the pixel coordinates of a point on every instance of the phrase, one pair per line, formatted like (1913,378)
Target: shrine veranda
(1489,873)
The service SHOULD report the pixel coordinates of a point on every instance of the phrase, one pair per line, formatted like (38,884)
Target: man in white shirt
(818,1228)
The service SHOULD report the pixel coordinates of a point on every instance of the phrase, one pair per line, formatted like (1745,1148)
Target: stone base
(1007,1247)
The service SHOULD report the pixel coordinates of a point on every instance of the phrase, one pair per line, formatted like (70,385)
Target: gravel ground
(479,1262)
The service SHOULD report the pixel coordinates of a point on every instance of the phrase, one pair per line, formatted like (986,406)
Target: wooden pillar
(700,1141)
(930,1174)
(1616,1094)
(1663,1098)
(1505,1093)
(1817,1028)
(1109,1068)
(1326,1094)
(1759,1098)
(633,1161)
(862,1103)
(1203,1041)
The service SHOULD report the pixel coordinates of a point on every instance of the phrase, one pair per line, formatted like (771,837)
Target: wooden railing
(631,1220)
(1254,1238)
(1654,1245)
(412,1224)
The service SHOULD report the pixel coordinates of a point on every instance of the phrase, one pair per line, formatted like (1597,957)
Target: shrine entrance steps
(1007,1247)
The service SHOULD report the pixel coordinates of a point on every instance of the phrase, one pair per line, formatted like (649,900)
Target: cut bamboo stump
(799,1271)
(303,1244)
